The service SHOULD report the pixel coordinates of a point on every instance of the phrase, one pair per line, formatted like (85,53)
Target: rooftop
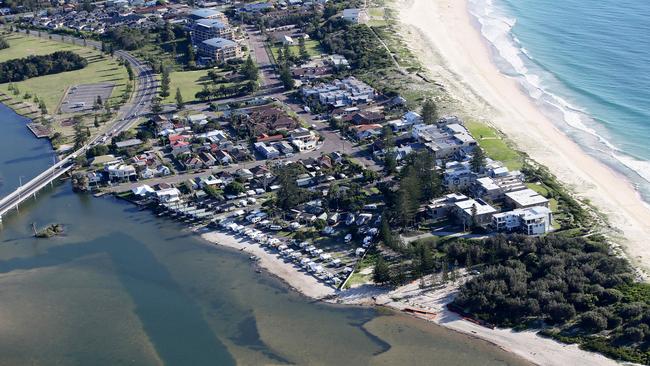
(527,197)
(219,42)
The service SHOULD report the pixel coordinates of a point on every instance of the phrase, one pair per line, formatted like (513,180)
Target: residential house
(367,117)
(535,220)
(168,195)
(223,157)
(304,139)
(363,132)
(444,141)
(121,172)
(268,151)
(441,207)
(525,198)
(347,92)
(474,212)
(458,175)
(192,162)
(207,158)
(356,16)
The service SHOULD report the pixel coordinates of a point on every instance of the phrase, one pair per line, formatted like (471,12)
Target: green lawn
(539,188)
(494,145)
(312,46)
(51,88)
(190,83)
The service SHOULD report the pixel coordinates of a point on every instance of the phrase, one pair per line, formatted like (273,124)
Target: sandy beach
(443,34)
(528,345)
(298,280)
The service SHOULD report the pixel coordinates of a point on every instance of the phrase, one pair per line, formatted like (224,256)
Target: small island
(49,231)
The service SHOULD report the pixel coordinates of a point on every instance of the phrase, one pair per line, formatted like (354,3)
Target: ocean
(586,65)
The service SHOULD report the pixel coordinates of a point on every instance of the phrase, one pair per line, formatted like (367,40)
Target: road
(127,115)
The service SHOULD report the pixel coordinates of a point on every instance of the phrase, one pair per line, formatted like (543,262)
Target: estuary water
(587,66)
(124,287)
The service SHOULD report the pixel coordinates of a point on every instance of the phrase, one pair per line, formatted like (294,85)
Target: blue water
(587,65)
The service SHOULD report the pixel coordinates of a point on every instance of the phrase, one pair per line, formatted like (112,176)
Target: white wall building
(531,221)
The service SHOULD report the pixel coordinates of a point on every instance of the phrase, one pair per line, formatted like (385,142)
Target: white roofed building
(530,221)
(525,198)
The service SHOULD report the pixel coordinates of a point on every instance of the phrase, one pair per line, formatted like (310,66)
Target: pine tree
(129,71)
(429,112)
(478,160)
(288,55)
(250,70)
(42,106)
(286,78)
(280,59)
(302,50)
(381,272)
(164,83)
(179,99)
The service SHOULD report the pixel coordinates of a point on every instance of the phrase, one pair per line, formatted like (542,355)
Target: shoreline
(526,344)
(434,29)
(297,279)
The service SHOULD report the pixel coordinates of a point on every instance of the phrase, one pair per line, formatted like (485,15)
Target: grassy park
(312,46)
(51,88)
(190,83)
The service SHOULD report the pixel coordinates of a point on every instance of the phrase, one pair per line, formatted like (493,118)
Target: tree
(191,55)
(425,259)
(81,134)
(250,70)
(302,50)
(478,159)
(179,99)
(129,70)
(289,58)
(286,78)
(280,58)
(386,234)
(96,122)
(203,94)
(42,107)
(234,188)
(167,34)
(429,112)
(164,83)
(156,107)
(593,321)
(381,272)
(409,195)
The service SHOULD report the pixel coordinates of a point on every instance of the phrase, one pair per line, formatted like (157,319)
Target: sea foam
(516,61)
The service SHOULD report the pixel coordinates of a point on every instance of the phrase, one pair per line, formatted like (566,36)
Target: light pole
(20,191)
